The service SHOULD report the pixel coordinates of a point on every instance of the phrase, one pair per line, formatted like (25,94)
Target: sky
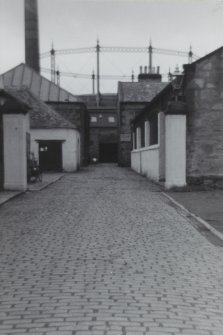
(170,24)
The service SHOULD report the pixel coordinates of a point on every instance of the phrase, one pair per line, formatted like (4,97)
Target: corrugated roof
(23,76)
(41,115)
(143,91)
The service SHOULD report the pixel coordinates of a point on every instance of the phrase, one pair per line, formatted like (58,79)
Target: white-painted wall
(146,161)
(15,127)
(70,145)
(175,139)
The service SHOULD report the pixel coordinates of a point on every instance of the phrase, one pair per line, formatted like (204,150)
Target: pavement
(47,179)
(104,252)
(207,205)
(7,195)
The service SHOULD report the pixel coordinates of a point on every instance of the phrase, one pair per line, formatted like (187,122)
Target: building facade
(132,98)
(188,114)
(66,104)
(103,127)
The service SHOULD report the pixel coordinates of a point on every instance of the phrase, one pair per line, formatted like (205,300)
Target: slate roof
(23,76)
(142,91)
(42,116)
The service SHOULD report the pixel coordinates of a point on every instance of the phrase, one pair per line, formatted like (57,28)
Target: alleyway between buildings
(103,252)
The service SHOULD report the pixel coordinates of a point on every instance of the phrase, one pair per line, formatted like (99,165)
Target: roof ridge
(69,94)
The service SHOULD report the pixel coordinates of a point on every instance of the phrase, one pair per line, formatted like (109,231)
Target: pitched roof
(166,90)
(41,115)
(142,91)
(24,76)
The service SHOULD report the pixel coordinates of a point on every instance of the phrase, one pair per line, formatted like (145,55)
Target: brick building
(103,127)
(132,98)
(185,121)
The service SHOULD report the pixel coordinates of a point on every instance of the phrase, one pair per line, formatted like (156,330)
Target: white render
(138,138)
(70,145)
(175,141)
(15,126)
(147,133)
(146,161)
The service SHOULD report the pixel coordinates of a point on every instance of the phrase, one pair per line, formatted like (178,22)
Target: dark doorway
(108,152)
(50,155)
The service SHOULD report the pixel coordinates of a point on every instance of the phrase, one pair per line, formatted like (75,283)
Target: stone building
(103,127)
(67,105)
(54,141)
(30,127)
(187,120)
(132,98)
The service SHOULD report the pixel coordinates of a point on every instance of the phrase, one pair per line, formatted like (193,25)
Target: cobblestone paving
(102,252)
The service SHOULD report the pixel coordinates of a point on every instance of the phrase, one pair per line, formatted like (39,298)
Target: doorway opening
(50,155)
(108,152)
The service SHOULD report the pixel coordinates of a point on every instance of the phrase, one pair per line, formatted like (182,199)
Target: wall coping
(151,147)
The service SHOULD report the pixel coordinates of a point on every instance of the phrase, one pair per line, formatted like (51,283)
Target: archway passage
(108,152)
(50,155)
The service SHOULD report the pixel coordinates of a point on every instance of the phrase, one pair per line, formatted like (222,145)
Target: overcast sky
(171,24)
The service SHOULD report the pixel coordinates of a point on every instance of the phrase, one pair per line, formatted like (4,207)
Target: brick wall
(77,114)
(127,112)
(204,98)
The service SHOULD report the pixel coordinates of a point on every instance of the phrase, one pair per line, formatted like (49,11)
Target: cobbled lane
(102,252)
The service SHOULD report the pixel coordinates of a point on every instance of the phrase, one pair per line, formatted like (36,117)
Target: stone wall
(127,112)
(204,98)
(1,153)
(101,135)
(77,114)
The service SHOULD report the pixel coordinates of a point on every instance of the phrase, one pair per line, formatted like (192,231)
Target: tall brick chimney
(32,35)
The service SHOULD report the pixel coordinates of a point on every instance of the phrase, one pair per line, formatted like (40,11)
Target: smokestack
(32,35)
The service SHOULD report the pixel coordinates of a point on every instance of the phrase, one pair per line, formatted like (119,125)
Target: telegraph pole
(98,72)
(190,55)
(93,82)
(58,76)
(150,56)
(53,64)
(133,76)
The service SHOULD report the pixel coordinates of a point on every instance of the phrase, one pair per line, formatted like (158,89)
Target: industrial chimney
(32,35)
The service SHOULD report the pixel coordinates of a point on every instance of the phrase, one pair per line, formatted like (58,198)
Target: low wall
(146,162)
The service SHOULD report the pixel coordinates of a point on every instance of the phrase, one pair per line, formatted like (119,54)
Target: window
(111,119)
(142,135)
(154,130)
(93,118)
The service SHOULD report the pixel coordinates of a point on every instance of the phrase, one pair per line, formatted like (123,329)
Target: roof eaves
(150,104)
